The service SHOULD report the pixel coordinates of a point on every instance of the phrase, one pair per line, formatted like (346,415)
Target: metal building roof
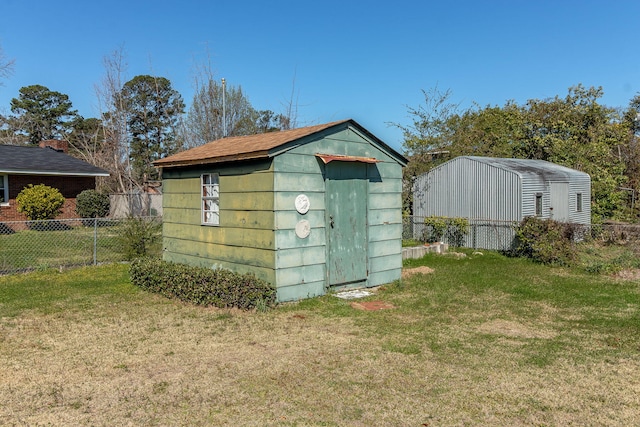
(20,159)
(528,167)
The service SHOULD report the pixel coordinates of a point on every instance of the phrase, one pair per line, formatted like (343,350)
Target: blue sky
(350,59)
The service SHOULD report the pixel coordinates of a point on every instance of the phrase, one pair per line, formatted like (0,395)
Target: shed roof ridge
(262,145)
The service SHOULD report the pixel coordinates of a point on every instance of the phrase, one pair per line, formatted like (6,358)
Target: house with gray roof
(48,164)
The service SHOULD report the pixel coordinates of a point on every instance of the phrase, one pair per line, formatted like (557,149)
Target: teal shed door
(346,207)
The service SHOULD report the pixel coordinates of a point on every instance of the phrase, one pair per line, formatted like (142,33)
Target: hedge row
(202,286)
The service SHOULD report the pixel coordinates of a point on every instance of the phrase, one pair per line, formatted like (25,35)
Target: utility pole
(224,108)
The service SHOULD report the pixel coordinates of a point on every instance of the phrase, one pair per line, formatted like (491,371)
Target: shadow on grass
(5,229)
(48,226)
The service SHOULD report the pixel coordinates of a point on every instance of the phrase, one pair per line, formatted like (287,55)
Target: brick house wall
(69,186)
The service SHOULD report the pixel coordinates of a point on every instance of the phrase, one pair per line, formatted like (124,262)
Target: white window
(4,190)
(538,204)
(210,199)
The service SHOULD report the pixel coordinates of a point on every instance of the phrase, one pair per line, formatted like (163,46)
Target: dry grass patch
(166,365)
(449,353)
(408,272)
(513,329)
(629,274)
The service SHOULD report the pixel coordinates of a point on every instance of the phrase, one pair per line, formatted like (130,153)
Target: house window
(579,202)
(538,204)
(210,199)
(4,190)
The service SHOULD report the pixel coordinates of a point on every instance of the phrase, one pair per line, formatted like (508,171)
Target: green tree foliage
(39,202)
(630,154)
(153,111)
(578,132)
(268,121)
(490,131)
(92,204)
(575,131)
(632,115)
(41,114)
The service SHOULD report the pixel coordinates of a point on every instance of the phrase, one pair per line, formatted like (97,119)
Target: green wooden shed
(308,209)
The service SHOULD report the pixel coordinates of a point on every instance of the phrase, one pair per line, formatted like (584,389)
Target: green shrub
(435,226)
(92,204)
(545,241)
(39,202)
(202,286)
(457,228)
(140,237)
(440,228)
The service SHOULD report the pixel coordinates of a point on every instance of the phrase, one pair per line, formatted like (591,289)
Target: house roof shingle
(253,146)
(19,159)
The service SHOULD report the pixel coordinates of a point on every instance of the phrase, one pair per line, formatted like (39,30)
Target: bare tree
(216,111)
(88,142)
(8,136)
(6,65)
(290,116)
(111,104)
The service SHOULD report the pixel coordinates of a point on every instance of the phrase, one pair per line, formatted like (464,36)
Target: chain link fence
(500,235)
(34,245)
(480,234)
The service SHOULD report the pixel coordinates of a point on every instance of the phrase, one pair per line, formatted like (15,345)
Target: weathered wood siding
(301,263)
(244,240)
(385,224)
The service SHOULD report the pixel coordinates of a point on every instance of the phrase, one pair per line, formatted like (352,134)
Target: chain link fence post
(95,241)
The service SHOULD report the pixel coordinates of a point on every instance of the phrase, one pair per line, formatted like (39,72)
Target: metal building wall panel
(472,189)
(580,184)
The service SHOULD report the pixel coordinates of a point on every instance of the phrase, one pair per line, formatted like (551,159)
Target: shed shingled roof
(255,146)
(19,159)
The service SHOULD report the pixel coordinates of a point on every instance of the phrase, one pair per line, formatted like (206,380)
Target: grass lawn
(68,246)
(30,249)
(480,340)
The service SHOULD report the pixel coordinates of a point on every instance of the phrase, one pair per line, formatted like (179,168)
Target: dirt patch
(407,272)
(372,305)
